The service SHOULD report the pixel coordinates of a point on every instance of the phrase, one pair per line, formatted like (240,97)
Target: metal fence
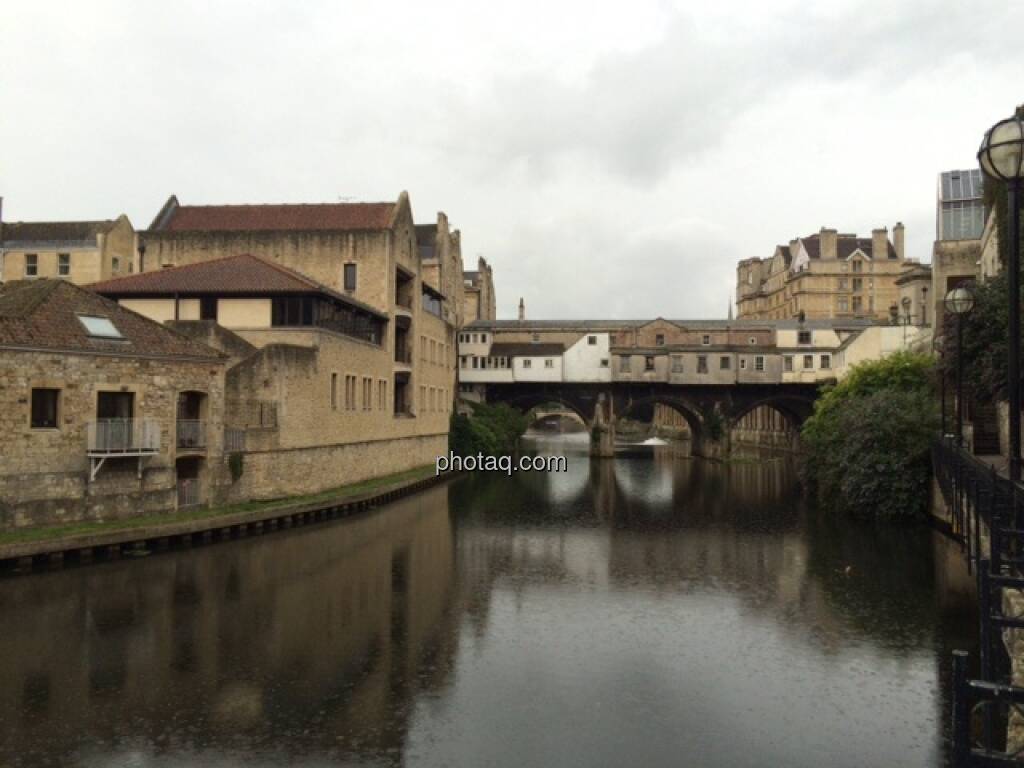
(986,510)
(123,436)
(188,492)
(191,433)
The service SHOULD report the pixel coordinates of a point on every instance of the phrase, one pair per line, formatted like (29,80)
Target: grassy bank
(83,528)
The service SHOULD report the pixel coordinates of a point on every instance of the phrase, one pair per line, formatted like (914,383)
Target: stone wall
(44,473)
(274,474)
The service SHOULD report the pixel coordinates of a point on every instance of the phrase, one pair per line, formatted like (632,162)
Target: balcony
(117,438)
(403,356)
(123,437)
(191,435)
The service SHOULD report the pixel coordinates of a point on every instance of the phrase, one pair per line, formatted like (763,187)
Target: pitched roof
(242,275)
(44,314)
(845,245)
(274,218)
(526,349)
(53,231)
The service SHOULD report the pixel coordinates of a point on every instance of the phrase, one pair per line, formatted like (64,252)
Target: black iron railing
(986,510)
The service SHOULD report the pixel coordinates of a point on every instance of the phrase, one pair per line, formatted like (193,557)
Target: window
(334,391)
(592,340)
(31,265)
(549,363)
(423,398)
(753,341)
(803,337)
(826,362)
(677,363)
(858,304)
(844,283)
(858,283)
(382,394)
(787,363)
(844,304)
(63,264)
(527,363)
(624,364)
(705,339)
(758,362)
(536,337)
(702,363)
(367,393)
(99,327)
(476,361)
(44,408)
(649,363)
(808,362)
(659,340)
(483,338)
(604,362)
(743,363)
(350,277)
(115,264)
(858,266)
(724,362)
(208,308)
(462,361)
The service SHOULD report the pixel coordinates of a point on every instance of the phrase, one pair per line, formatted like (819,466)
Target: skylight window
(100,327)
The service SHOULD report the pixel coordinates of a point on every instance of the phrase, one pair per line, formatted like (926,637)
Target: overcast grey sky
(610,160)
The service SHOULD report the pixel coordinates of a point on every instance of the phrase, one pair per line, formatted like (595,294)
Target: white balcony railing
(191,433)
(188,492)
(128,437)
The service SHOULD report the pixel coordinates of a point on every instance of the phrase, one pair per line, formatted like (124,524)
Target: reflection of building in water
(765,427)
(314,638)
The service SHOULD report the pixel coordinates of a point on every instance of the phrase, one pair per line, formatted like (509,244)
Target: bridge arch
(524,403)
(691,414)
(773,421)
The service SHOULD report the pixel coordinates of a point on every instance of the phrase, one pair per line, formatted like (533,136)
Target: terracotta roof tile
(44,314)
(277,218)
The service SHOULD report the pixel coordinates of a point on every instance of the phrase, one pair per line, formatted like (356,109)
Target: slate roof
(275,218)
(13,233)
(613,325)
(43,314)
(845,245)
(526,349)
(242,275)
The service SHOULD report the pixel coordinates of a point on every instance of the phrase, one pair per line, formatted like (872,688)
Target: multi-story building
(440,250)
(103,413)
(478,291)
(78,251)
(825,275)
(959,227)
(355,338)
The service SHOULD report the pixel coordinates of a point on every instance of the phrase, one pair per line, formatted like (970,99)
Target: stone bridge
(711,411)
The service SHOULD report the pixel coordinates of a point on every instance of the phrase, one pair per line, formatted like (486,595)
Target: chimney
(879,244)
(829,239)
(897,240)
(522,310)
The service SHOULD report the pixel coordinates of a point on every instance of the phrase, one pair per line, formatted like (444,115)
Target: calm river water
(646,611)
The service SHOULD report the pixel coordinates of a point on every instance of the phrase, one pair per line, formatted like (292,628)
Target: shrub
(493,430)
(866,448)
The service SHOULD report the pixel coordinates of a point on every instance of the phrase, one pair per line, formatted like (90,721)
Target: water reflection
(651,610)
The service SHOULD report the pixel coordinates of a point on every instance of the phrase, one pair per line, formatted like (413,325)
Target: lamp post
(1002,158)
(959,302)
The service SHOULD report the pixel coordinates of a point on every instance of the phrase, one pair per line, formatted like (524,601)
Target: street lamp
(959,302)
(1002,158)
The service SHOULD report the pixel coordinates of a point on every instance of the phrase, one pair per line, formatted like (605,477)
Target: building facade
(78,251)
(824,275)
(104,414)
(478,291)
(324,388)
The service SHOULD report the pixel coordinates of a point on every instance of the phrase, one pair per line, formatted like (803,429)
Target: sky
(610,160)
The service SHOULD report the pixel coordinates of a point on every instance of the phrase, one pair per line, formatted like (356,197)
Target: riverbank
(82,541)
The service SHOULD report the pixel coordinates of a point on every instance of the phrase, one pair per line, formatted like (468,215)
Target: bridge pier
(602,430)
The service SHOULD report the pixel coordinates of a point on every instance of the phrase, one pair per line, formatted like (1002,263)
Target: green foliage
(866,448)
(714,424)
(236,464)
(985,339)
(493,430)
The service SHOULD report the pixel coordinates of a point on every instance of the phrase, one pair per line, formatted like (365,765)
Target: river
(650,610)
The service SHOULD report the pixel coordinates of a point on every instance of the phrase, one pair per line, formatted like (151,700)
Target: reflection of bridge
(711,412)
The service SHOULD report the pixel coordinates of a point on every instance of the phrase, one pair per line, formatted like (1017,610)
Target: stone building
(79,251)
(323,388)
(959,228)
(824,275)
(915,286)
(103,413)
(440,250)
(478,290)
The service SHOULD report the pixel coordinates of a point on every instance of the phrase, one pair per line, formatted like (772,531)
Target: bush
(866,448)
(493,430)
